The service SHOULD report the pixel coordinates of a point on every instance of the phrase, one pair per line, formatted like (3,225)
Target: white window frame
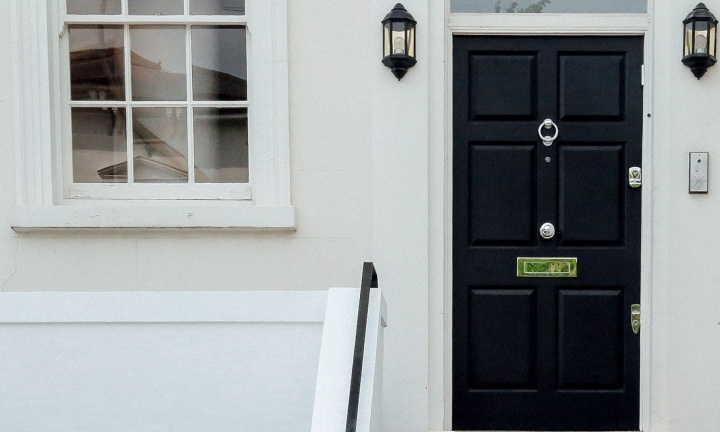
(43,199)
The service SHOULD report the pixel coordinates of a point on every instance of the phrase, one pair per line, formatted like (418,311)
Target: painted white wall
(334,375)
(183,361)
(368,182)
(400,221)
(685,334)
(331,189)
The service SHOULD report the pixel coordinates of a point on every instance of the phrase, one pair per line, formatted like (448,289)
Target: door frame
(440,387)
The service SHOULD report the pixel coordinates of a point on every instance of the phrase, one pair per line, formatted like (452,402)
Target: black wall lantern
(399,41)
(699,40)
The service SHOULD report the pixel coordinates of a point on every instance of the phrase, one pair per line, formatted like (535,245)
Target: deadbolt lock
(635,318)
(635,177)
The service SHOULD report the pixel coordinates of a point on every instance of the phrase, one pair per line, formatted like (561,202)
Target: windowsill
(38,218)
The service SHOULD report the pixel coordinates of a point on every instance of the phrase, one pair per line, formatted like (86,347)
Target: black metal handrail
(369,280)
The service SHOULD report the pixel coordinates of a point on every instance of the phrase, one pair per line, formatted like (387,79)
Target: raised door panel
(592,194)
(592,87)
(590,339)
(503,86)
(503,338)
(502,194)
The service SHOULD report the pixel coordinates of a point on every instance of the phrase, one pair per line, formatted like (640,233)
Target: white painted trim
(549,24)
(162,307)
(155,216)
(38,132)
(156,191)
(158,19)
(31,94)
(541,24)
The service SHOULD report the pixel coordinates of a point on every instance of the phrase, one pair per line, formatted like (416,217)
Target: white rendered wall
(368,183)
(331,189)
(686,292)
(146,361)
(400,221)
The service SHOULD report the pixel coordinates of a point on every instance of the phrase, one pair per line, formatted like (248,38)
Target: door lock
(635,177)
(548,124)
(635,318)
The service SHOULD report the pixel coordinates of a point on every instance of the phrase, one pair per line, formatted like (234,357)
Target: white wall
(685,334)
(368,182)
(400,221)
(184,361)
(331,189)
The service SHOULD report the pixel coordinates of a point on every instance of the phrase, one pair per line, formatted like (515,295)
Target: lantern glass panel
(398,38)
(713,37)
(411,41)
(701,37)
(387,41)
(688,48)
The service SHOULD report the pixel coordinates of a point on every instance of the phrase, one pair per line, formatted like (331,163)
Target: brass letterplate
(546,267)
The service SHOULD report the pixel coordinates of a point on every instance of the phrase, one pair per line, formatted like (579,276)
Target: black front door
(538,345)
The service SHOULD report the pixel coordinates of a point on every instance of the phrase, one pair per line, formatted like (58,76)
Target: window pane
(221,145)
(99,146)
(155,7)
(549,6)
(217,7)
(219,63)
(97,65)
(93,7)
(160,145)
(158,63)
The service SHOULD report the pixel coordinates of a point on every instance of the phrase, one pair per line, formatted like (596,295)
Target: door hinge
(642,75)
(635,318)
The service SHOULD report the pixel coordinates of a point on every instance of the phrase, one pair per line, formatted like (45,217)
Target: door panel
(492,74)
(545,353)
(515,197)
(586,361)
(591,209)
(608,87)
(502,345)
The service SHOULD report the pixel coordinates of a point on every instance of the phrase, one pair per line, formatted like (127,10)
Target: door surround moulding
(550,24)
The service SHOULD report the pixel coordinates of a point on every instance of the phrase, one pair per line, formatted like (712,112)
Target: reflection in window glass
(221,145)
(548,6)
(155,7)
(158,63)
(99,145)
(94,7)
(217,7)
(160,145)
(97,65)
(219,63)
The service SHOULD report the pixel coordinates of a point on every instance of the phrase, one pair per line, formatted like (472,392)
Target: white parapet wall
(338,344)
(163,361)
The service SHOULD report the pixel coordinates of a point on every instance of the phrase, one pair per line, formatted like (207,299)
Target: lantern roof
(700,13)
(399,13)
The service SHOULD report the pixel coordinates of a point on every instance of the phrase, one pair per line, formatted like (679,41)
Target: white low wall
(163,361)
(334,374)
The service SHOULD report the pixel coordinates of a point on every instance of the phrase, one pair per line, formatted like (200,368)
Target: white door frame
(440,165)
